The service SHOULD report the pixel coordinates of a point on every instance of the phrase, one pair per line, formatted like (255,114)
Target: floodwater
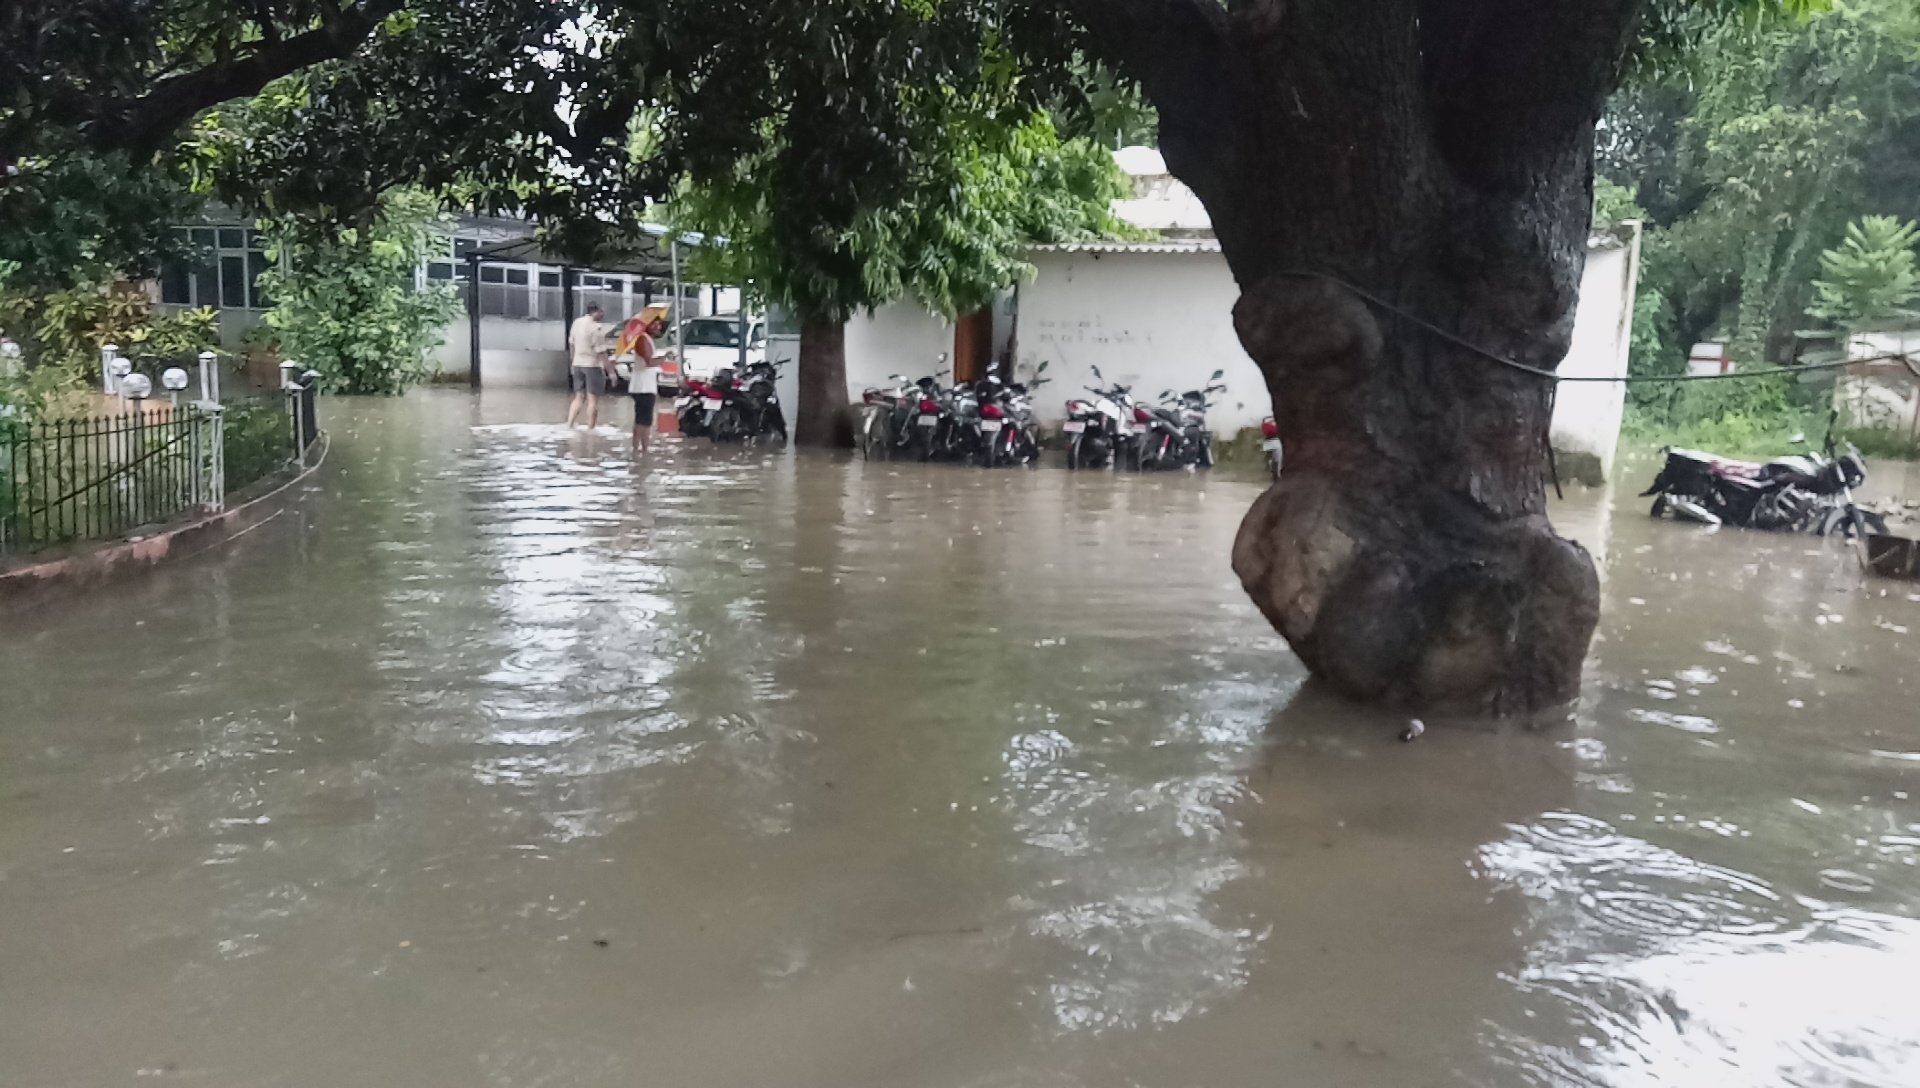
(497,761)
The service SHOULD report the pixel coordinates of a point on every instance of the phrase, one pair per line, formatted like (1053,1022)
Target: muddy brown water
(497,761)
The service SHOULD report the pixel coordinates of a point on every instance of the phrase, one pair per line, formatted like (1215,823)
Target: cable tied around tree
(1371,299)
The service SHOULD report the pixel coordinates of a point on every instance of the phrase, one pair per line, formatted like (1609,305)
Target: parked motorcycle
(749,405)
(1003,422)
(902,420)
(1805,492)
(1270,443)
(885,414)
(1099,430)
(1175,434)
(697,404)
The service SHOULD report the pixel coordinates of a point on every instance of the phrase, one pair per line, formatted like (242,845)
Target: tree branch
(1178,50)
(144,125)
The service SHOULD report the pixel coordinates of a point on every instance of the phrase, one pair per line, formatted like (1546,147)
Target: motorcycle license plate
(990,426)
(928,421)
(1074,427)
(1270,444)
(712,403)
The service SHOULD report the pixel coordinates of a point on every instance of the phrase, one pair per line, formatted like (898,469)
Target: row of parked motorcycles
(733,407)
(1810,491)
(990,423)
(1114,430)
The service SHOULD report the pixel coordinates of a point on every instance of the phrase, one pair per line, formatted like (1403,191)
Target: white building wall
(1586,416)
(896,339)
(1160,321)
(513,352)
(1883,393)
(1151,321)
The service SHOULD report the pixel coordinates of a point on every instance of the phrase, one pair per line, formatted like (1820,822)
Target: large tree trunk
(820,419)
(1389,179)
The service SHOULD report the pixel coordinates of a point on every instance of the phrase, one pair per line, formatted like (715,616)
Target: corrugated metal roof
(1206,245)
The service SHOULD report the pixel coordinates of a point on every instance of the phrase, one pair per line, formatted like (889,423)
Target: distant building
(520,301)
(1160,202)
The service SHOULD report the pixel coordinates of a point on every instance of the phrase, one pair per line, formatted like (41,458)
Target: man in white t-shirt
(645,383)
(587,344)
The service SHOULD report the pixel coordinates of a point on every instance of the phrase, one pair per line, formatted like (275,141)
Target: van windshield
(709,332)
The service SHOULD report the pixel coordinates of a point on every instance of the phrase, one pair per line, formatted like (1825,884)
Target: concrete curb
(114,561)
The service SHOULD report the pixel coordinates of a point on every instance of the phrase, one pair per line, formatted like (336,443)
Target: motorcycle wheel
(873,437)
(1659,505)
(1073,453)
(725,426)
(1852,522)
(1273,467)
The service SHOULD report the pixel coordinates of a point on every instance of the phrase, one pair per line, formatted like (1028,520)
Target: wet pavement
(498,761)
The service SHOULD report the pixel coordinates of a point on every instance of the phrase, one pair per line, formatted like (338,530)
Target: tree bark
(820,419)
(1387,180)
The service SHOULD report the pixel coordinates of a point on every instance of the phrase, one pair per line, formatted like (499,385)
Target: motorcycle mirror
(1217,375)
(1042,368)
(1097,376)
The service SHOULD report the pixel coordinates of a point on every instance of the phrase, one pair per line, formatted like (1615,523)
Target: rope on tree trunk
(1461,342)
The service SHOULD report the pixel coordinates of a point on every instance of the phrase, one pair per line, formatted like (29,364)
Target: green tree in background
(972,199)
(1752,157)
(345,298)
(1870,277)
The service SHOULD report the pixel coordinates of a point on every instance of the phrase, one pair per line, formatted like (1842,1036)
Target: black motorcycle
(1175,435)
(1806,492)
(749,408)
(1003,422)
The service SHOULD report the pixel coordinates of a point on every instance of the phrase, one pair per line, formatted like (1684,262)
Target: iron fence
(69,480)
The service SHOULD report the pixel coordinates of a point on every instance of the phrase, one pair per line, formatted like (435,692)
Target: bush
(345,300)
(258,440)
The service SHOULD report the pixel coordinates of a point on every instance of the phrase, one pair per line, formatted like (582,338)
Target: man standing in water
(587,343)
(644,383)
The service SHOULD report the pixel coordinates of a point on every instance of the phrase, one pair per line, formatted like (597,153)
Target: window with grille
(220,268)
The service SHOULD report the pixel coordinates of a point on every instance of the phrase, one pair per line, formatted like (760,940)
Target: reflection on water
(502,760)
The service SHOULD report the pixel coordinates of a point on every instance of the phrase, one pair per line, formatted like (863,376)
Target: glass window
(176,287)
(708,332)
(517,275)
(492,273)
(233,283)
(549,279)
(439,271)
(203,237)
(256,264)
(233,238)
(464,246)
(256,240)
(206,283)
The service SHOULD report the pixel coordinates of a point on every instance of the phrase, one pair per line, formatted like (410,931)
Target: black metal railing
(69,480)
(84,479)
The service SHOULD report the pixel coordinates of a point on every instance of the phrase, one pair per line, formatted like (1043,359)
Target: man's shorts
(591,380)
(643,409)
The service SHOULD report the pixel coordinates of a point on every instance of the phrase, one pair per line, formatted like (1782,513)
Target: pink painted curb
(123,559)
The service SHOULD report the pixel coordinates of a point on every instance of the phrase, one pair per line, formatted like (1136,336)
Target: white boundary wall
(1151,320)
(1159,317)
(1586,417)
